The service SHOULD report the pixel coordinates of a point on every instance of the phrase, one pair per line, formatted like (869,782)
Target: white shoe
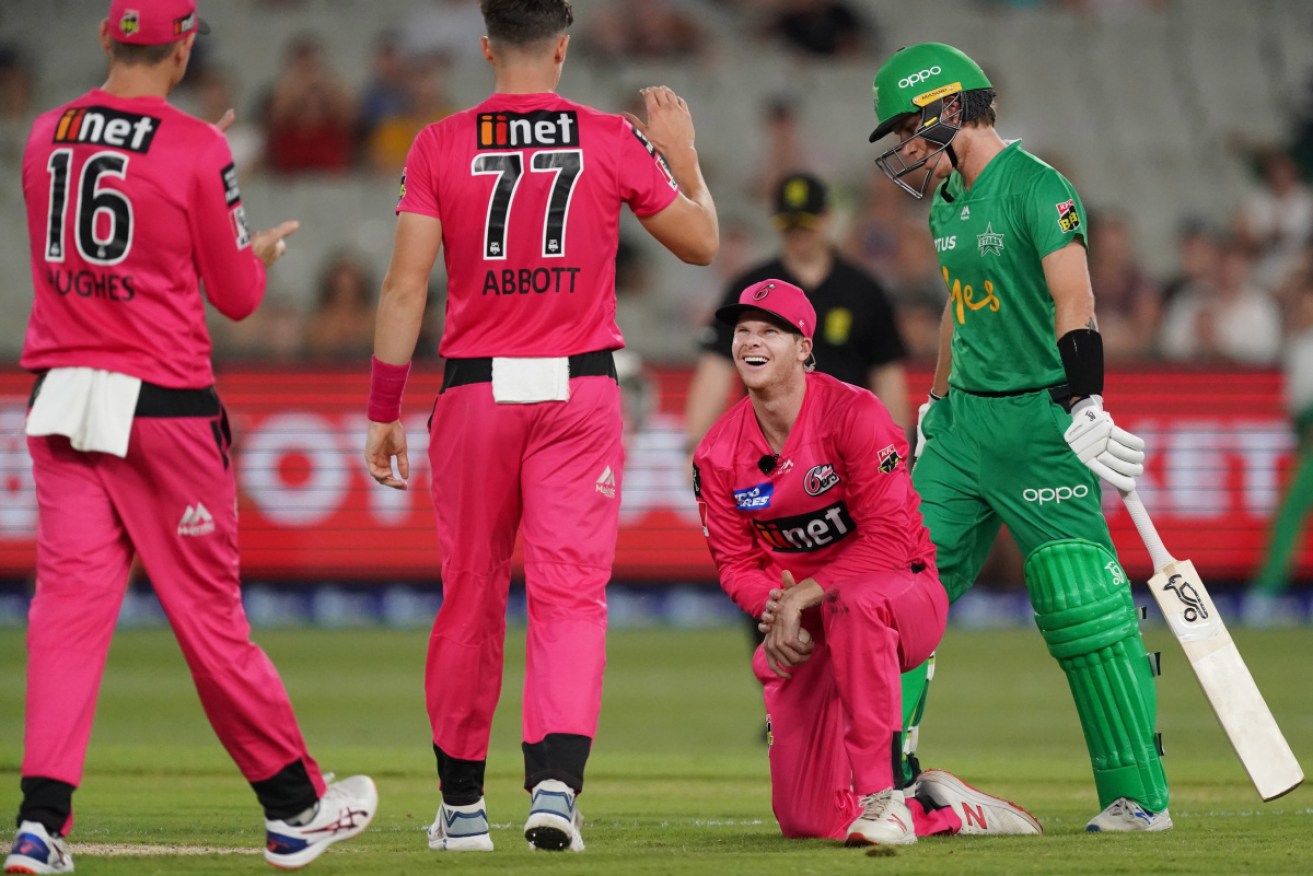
(36,851)
(982,814)
(461,829)
(554,820)
(344,811)
(885,821)
(1124,815)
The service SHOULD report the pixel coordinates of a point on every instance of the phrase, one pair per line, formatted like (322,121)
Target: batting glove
(1108,450)
(920,417)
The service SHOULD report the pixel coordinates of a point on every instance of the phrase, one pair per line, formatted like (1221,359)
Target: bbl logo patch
(241,233)
(402,196)
(889,459)
(1068,218)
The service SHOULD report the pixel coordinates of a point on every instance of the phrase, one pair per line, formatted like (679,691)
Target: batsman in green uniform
(1015,431)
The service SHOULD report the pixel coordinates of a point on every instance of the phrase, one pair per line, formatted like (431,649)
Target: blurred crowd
(1229,297)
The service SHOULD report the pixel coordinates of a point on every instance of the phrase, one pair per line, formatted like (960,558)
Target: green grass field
(678,780)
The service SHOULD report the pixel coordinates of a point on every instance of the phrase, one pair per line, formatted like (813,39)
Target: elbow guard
(1082,359)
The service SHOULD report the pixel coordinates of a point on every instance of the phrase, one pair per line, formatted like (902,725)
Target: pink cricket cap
(779,299)
(152,22)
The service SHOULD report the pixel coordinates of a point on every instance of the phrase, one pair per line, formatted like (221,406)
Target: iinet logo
(196,521)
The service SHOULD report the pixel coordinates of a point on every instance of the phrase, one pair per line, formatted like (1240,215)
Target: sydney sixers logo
(819,479)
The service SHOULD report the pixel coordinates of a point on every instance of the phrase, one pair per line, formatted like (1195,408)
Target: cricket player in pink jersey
(131,205)
(524,194)
(810,515)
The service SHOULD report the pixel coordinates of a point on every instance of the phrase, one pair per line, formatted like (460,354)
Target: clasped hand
(787,643)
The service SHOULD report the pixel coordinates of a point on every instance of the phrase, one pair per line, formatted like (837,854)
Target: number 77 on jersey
(1217,664)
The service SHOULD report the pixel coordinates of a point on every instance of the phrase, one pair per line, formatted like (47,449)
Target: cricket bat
(1217,664)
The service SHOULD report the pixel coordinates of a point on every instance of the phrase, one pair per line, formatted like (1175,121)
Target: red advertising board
(1219,453)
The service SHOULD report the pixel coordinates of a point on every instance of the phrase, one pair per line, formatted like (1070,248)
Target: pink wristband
(386,383)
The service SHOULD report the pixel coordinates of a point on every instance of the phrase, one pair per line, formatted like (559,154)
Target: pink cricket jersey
(528,188)
(131,204)
(837,503)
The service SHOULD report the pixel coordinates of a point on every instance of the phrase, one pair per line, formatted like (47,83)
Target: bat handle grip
(1148,532)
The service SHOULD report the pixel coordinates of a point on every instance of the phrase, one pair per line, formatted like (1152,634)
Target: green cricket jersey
(990,241)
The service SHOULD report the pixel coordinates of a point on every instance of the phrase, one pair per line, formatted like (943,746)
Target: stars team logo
(990,243)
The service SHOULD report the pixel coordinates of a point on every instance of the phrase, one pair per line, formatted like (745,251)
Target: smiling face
(766,353)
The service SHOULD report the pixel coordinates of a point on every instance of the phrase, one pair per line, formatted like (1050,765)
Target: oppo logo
(1055,494)
(909,81)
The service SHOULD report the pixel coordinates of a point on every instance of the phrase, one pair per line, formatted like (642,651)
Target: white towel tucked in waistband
(523,381)
(93,408)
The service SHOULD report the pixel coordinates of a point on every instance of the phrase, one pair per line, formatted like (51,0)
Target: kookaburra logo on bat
(1184,590)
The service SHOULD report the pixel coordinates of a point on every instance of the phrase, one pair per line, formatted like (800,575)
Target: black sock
(287,793)
(48,802)
(559,756)
(461,780)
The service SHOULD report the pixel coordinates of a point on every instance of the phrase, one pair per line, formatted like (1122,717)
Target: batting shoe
(885,821)
(982,814)
(554,818)
(1124,815)
(461,829)
(343,812)
(36,851)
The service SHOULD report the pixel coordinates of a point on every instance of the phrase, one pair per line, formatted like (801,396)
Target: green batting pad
(1084,609)
(916,685)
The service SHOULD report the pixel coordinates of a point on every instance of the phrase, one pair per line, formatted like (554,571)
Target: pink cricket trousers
(94,510)
(835,725)
(551,470)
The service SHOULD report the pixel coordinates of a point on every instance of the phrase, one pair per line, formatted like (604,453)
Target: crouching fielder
(806,478)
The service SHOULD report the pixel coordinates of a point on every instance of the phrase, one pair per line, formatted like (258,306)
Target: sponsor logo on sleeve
(1068,218)
(103,126)
(660,159)
(231,194)
(888,459)
(819,478)
(507,130)
(237,219)
(754,498)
